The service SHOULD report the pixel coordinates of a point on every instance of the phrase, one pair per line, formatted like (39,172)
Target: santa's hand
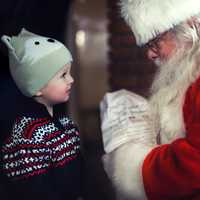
(126,116)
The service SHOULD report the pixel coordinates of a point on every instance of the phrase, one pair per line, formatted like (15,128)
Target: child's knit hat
(34,60)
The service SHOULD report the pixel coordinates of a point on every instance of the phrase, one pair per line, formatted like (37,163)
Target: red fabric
(172,171)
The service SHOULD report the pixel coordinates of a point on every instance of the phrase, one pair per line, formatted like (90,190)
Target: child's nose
(70,80)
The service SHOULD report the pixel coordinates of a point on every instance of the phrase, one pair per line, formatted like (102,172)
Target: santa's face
(160,49)
(170,65)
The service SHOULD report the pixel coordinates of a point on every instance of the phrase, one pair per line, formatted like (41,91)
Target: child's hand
(125,116)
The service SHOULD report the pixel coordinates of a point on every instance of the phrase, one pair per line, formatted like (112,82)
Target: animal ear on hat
(25,32)
(7,41)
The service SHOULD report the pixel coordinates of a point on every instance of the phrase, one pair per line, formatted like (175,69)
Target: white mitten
(126,116)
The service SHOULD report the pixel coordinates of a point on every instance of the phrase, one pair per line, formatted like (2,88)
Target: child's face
(58,88)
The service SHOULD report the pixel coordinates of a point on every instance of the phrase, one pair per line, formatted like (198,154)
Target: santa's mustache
(169,70)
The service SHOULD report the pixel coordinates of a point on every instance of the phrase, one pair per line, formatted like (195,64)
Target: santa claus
(153,146)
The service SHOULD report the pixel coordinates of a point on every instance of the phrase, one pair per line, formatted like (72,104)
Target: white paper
(125,116)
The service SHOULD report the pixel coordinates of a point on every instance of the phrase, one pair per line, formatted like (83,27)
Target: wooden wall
(128,67)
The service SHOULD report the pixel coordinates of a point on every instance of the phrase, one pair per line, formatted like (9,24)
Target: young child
(40,158)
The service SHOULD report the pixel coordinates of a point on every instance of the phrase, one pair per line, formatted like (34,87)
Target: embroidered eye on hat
(149,18)
(34,60)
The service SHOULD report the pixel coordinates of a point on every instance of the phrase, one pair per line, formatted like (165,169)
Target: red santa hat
(149,18)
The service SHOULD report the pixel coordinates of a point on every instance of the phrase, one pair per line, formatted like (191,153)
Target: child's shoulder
(27,132)
(24,147)
(28,126)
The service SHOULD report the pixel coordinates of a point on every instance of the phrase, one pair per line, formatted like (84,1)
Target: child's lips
(68,91)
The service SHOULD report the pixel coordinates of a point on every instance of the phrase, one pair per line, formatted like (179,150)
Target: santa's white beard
(168,91)
(167,71)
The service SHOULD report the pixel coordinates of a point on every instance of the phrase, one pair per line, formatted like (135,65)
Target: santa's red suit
(172,171)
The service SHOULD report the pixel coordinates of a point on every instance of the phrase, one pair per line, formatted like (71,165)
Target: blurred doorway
(88,31)
(87,38)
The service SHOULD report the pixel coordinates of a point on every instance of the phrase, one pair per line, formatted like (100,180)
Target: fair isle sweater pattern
(38,144)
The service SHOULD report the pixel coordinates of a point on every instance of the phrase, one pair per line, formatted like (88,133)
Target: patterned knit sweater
(40,157)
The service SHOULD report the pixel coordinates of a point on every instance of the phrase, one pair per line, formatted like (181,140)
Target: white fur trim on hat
(148,18)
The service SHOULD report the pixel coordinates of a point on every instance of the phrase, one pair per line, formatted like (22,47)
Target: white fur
(124,168)
(146,18)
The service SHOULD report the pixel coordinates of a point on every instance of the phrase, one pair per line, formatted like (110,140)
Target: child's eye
(63,75)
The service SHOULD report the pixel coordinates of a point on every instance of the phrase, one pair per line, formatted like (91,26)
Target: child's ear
(38,94)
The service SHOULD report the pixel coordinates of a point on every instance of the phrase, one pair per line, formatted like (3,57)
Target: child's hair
(34,60)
